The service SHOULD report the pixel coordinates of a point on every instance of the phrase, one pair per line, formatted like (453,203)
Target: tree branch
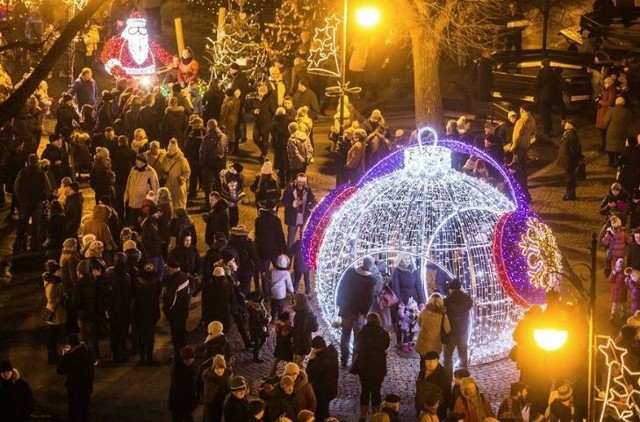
(21,44)
(18,98)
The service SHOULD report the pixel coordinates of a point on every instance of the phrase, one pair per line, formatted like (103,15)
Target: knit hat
(615,221)
(266,168)
(255,407)
(305,415)
(286,381)
(219,362)
(616,186)
(318,343)
(367,263)
(565,393)
(5,366)
(142,157)
(238,383)
(70,244)
(172,148)
(392,398)
(214,329)
(87,240)
(153,208)
(95,249)
(218,272)
(187,353)
(128,245)
(291,368)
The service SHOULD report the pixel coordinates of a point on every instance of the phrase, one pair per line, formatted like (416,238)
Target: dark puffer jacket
(322,371)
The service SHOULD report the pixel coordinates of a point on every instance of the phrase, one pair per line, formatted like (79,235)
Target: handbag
(444,336)
(387,298)
(581,171)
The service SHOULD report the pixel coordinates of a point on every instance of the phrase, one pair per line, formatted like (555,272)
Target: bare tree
(17,99)
(438,27)
(552,12)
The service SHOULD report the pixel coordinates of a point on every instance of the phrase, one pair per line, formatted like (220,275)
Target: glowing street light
(550,339)
(367,16)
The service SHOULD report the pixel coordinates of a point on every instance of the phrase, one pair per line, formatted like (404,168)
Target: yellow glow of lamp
(550,339)
(367,16)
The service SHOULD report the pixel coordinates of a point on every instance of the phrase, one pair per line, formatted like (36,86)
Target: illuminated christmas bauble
(414,203)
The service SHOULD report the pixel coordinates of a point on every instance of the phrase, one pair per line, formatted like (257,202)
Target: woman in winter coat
(142,179)
(615,241)
(176,170)
(433,320)
(304,396)
(69,259)
(617,121)
(283,401)
(102,178)
(217,295)
(297,152)
(304,324)
(53,293)
(194,136)
(606,100)
(405,281)
(174,123)
(67,117)
(55,230)
(472,403)
(146,311)
(371,344)
(99,227)
(216,387)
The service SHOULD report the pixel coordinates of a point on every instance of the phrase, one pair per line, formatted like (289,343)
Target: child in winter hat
(281,284)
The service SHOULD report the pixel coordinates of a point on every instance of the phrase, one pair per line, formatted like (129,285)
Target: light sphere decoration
(413,202)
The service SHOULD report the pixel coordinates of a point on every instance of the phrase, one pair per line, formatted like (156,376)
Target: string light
(283,35)
(413,202)
(323,55)
(620,396)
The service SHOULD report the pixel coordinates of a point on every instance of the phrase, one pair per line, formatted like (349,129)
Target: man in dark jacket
(263,109)
(31,189)
(322,370)
(121,162)
(186,254)
(304,325)
(151,239)
(85,89)
(569,157)
(269,241)
(175,306)
(87,303)
(73,210)
(354,299)
(182,392)
(104,116)
(212,157)
(547,91)
(240,87)
(106,139)
(120,298)
(217,219)
(433,377)
(58,158)
(249,261)
(298,200)
(236,405)
(16,398)
(458,304)
(77,364)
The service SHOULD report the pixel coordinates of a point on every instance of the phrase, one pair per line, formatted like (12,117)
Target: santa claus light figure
(133,54)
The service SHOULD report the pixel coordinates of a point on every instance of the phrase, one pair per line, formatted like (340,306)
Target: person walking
(76,363)
(54,308)
(152,240)
(370,363)
(458,304)
(569,158)
(304,325)
(213,157)
(176,301)
(354,298)
(322,371)
(176,171)
(605,101)
(617,121)
(146,311)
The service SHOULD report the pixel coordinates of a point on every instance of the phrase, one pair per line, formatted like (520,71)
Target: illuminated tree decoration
(621,394)
(323,55)
(78,4)
(413,202)
(283,36)
(239,41)
(133,54)
(527,257)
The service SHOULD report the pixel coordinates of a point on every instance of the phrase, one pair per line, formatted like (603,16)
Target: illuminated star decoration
(413,202)
(620,396)
(78,4)
(323,55)
(527,257)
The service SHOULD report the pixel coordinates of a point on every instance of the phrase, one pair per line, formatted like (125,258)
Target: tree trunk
(428,98)
(17,99)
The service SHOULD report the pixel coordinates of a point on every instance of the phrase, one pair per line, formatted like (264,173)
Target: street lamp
(550,339)
(368,17)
